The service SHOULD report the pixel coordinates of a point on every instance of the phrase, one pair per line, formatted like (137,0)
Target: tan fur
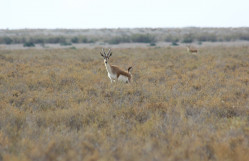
(191,50)
(116,70)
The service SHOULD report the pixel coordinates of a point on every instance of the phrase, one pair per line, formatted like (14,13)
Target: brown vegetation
(59,104)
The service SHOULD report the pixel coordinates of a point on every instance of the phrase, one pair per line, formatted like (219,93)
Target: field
(59,104)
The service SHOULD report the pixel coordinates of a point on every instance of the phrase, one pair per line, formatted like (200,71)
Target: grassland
(59,104)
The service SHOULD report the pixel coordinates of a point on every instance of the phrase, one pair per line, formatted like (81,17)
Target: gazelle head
(188,48)
(106,56)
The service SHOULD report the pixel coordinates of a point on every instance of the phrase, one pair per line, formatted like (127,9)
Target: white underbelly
(112,76)
(123,78)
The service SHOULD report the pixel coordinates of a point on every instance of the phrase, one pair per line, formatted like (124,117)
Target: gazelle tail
(129,69)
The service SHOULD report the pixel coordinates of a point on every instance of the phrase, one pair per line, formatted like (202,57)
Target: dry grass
(59,104)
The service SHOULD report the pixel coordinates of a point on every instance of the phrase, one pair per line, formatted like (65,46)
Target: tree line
(150,36)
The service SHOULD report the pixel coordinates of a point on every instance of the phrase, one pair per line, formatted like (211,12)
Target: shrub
(115,40)
(7,40)
(188,38)
(152,44)
(174,40)
(87,40)
(65,43)
(143,38)
(56,40)
(75,40)
(244,37)
(171,38)
(207,37)
(84,40)
(59,103)
(174,43)
(29,44)
(91,40)
(73,48)
(38,40)
(120,39)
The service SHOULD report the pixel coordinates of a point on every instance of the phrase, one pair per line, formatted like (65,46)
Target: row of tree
(137,38)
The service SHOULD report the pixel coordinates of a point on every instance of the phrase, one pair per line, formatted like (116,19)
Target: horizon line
(96,28)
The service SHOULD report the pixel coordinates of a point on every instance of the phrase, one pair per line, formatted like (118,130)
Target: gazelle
(191,50)
(114,72)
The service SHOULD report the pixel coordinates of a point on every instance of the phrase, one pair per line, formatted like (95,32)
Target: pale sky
(81,14)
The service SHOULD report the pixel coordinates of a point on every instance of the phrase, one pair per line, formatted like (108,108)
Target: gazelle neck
(108,67)
(188,48)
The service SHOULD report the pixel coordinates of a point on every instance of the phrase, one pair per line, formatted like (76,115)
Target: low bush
(119,39)
(142,38)
(59,104)
(29,44)
(65,43)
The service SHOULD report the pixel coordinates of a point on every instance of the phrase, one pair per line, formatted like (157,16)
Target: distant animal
(191,50)
(114,72)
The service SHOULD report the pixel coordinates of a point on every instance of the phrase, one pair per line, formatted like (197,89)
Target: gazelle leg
(112,80)
(116,79)
(110,77)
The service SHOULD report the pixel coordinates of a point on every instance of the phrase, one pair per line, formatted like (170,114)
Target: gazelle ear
(101,54)
(110,54)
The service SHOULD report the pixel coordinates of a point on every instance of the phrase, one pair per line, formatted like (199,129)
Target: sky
(84,14)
